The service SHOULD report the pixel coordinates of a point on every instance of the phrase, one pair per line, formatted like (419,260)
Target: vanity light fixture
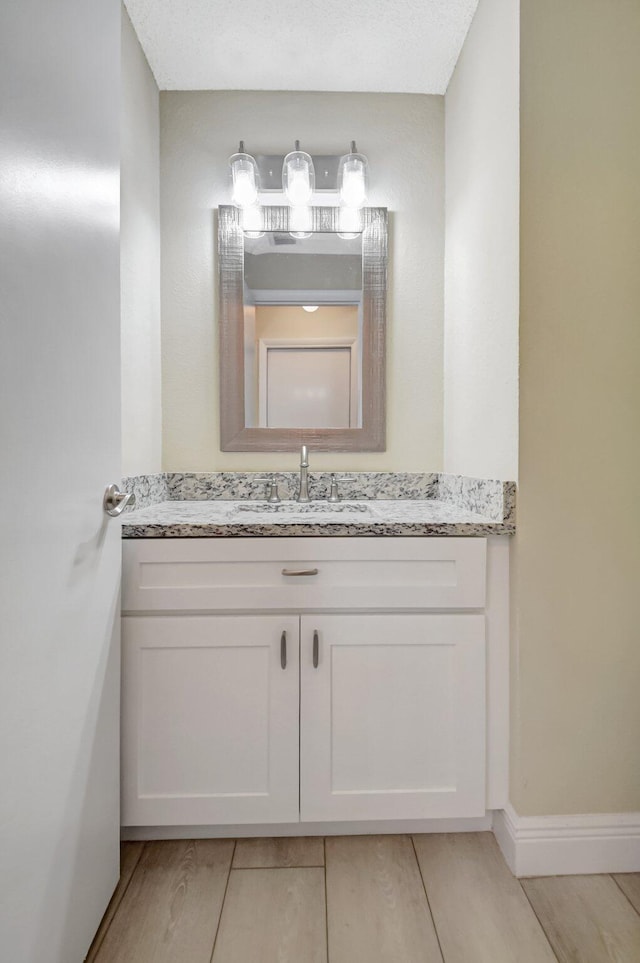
(310,307)
(353,179)
(298,177)
(245,178)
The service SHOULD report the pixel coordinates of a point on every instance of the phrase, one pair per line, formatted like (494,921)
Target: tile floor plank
(284,851)
(479,909)
(170,911)
(587,918)
(629,883)
(130,853)
(376,907)
(273,916)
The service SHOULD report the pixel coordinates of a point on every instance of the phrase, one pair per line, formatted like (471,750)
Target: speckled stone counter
(231,505)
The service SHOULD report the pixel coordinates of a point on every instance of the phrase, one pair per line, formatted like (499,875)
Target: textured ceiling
(399,46)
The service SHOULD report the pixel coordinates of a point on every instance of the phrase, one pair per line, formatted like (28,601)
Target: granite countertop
(191,506)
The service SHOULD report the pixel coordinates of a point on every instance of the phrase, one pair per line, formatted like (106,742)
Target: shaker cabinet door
(210,719)
(392,716)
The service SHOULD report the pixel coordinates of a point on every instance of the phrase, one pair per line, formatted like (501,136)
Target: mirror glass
(302,297)
(302,330)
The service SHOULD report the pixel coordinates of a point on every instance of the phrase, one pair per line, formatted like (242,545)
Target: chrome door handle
(115,501)
(316,649)
(283,650)
(290,572)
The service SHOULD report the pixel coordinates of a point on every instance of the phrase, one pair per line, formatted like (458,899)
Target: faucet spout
(303,488)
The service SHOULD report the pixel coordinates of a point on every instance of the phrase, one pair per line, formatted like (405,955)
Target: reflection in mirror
(303,330)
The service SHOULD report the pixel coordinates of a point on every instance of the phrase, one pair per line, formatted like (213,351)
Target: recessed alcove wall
(403,136)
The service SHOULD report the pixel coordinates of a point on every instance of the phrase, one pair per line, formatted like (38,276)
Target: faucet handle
(273,496)
(334,494)
(271,493)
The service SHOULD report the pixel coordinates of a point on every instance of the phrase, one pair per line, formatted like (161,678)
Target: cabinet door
(393,717)
(210,720)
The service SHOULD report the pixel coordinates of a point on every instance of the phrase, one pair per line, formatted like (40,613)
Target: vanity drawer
(203,574)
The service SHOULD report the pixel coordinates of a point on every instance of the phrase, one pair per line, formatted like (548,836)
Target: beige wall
(481,248)
(290,321)
(139,260)
(403,137)
(576,672)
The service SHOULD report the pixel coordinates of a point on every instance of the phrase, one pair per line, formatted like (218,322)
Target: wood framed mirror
(302,316)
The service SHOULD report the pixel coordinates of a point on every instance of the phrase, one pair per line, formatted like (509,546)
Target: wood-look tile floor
(446,898)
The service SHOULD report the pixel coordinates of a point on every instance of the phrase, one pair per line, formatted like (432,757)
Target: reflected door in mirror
(308,387)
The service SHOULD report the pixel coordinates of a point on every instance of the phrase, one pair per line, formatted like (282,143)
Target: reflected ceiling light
(300,222)
(349,223)
(298,177)
(310,307)
(252,221)
(353,179)
(245,178)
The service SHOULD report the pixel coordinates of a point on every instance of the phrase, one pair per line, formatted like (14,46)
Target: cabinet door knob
(316,649)
(283,650)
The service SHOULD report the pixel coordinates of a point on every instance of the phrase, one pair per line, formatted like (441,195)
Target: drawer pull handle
(316,649)
(299,571)
(283,650)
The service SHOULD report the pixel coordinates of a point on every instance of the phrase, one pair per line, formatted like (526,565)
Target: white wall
(140,260)
(482,248)
(403,137)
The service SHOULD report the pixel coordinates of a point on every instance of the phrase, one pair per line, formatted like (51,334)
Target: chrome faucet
(303,490)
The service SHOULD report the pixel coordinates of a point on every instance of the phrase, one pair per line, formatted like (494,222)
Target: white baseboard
(373,827)
(568,845)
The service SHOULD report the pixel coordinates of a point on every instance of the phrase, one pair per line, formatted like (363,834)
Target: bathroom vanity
(303,667)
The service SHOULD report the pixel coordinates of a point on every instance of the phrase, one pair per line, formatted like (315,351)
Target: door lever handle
(115,501)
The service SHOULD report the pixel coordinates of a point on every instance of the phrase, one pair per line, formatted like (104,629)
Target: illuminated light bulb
(310,307)
(245,179)
(353,179)
(354,192)
(298,177)
(245,193)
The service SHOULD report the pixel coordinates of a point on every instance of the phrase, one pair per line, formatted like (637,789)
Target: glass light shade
(298,178)
(245,180)
(310,307)
(353,180)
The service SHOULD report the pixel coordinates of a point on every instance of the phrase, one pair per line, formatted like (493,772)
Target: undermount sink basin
(306,508)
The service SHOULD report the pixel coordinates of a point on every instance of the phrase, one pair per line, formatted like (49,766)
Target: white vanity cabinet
(210,719)
(255,695)
(392,719)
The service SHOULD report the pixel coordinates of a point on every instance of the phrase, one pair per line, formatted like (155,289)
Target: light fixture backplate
(325,165)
